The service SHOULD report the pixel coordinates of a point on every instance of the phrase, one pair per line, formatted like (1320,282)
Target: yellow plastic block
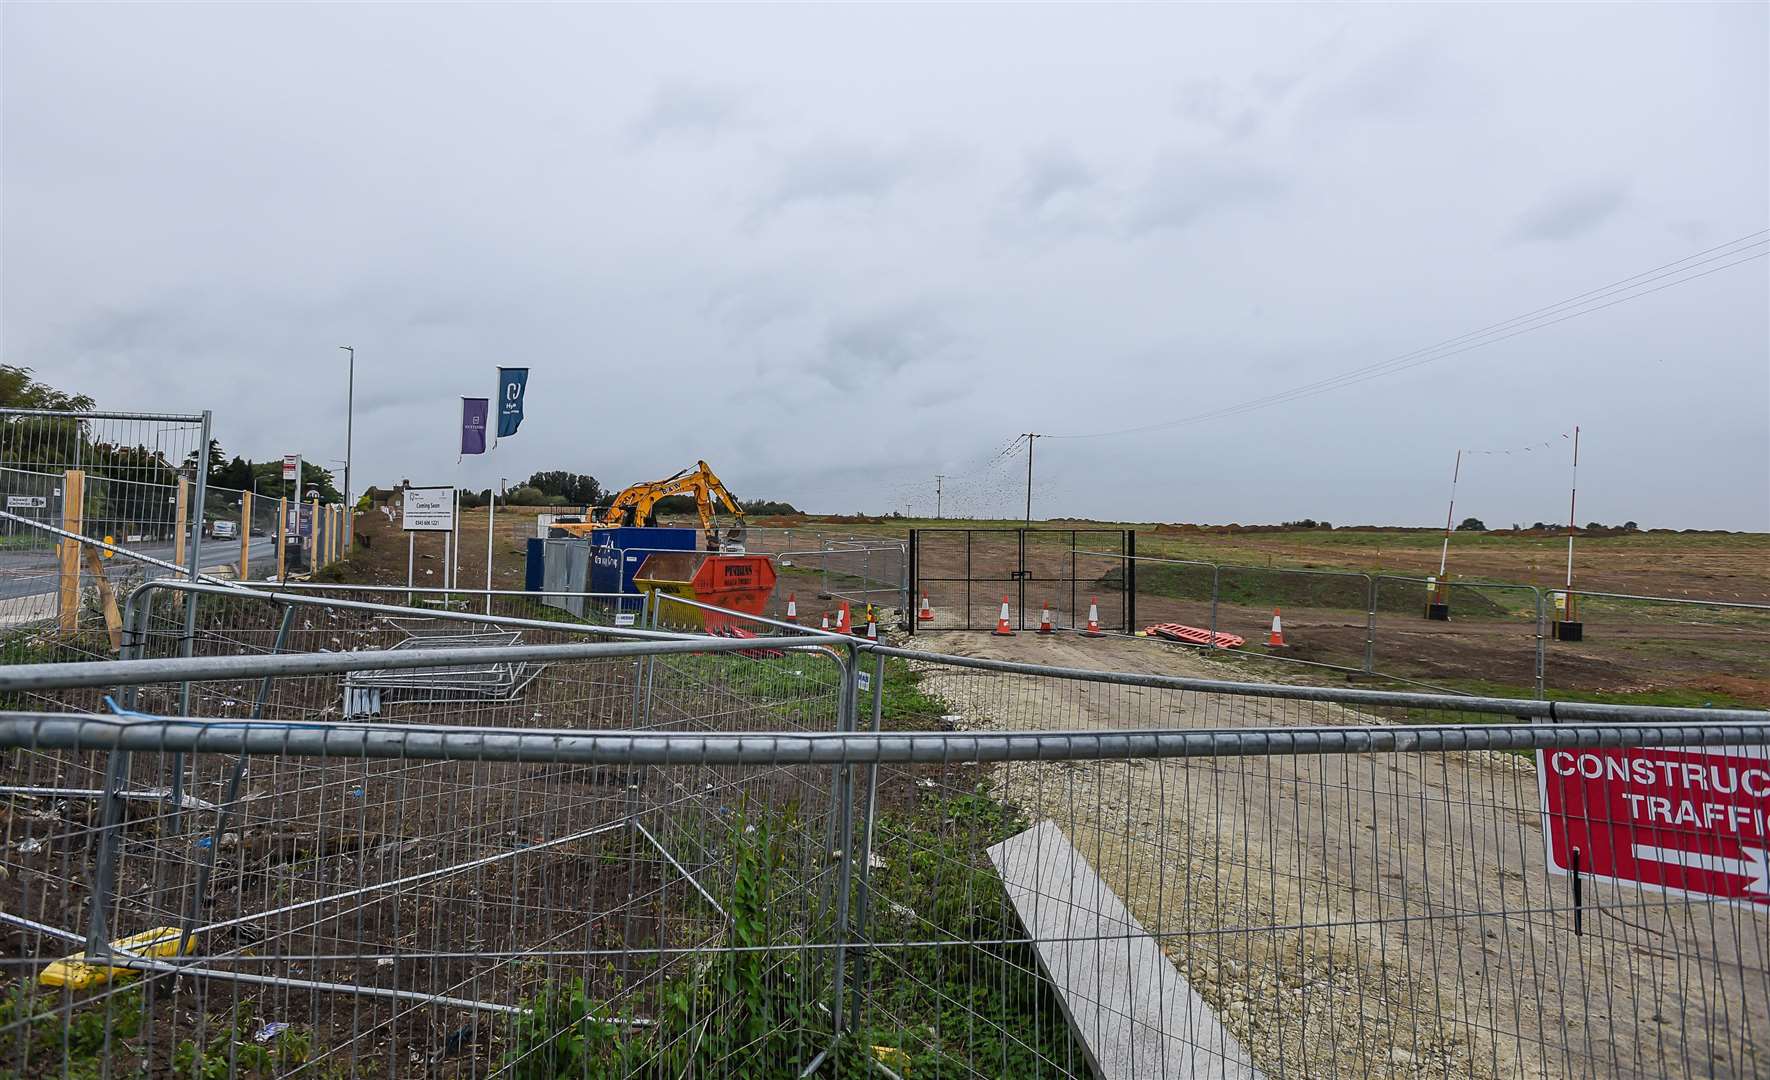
(894,1059)
(78,973)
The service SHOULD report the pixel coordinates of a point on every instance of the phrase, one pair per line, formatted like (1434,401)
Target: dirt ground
(1383,915)
(1629,651)
(1707,565)
(380,556)
(1693,654)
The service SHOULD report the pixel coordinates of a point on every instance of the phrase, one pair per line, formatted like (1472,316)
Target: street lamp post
(349,419)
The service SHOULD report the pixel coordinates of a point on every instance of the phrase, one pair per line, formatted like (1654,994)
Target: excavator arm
(635,505)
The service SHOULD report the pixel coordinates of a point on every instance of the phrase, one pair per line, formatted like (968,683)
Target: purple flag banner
(473,424)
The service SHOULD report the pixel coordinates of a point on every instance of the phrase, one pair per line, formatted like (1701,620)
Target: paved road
(33,572)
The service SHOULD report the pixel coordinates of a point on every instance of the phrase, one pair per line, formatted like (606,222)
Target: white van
(225,530)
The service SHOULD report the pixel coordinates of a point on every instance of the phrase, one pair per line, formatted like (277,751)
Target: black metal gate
(967,575)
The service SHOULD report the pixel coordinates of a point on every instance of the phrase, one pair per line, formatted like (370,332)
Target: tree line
(565,489)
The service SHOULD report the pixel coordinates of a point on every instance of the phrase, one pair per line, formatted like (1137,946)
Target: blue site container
(531,569)
(615,554)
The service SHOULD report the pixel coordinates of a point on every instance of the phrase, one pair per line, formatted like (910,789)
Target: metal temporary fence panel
(967,574)
(565,569)
(116,477)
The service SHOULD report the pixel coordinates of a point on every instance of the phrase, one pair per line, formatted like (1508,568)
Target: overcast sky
(836,251)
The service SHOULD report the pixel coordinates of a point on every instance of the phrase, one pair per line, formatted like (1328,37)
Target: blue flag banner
(473,424)
(512,382)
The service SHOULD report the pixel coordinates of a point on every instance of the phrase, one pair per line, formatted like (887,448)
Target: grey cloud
(177,323)
(693,110)
(1571,213)
(834,171)
(1048,175)
(1208,102)
(1183,189)
(868,350)
(712,216)
(1405,78)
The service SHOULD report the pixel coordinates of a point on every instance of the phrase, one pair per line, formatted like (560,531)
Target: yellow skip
(77,973)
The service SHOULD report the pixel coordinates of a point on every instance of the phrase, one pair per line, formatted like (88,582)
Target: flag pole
(491,525)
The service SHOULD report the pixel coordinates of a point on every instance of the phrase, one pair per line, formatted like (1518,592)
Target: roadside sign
(300,521)
(291,466)
(1691,823)
(27,502)
(429,509)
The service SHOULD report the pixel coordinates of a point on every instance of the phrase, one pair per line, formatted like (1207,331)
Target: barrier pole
(283,538)
(491,520)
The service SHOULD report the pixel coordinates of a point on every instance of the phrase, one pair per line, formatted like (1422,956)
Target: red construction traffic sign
(1691,822)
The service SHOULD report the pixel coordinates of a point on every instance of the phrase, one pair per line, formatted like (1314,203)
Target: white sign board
(429,509)
(291,465)
(26,502)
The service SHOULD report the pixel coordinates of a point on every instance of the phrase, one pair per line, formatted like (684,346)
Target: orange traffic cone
(792,609)
(1003,627)
(860,630)
(843,623)
(1093,627)
(926,613)
(1045,626)
(1275,640)
(826,626)
(872,629)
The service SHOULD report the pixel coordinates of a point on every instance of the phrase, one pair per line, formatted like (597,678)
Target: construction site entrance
(969,574)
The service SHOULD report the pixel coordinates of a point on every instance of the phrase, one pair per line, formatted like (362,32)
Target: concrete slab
(1135,1014)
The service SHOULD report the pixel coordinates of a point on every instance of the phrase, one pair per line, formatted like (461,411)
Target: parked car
(225,530)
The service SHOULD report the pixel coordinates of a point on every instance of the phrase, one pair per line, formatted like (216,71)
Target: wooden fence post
(181,521)
(73,514)
(245,535)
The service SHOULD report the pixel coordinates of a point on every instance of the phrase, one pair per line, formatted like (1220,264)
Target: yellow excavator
(636,505)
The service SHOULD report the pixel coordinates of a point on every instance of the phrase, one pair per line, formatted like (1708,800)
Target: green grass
(958,1010)
(1352,549)
(745,1009)
(906,705)
(1670,697)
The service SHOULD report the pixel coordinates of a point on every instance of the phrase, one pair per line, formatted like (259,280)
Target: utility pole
(349,421)
(937,479)
(1572,502)
(1030,436)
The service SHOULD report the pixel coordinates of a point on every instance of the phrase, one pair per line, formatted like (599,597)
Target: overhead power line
(1733,253)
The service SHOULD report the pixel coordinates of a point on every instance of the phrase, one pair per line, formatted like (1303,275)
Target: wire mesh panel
(567,608)
(764,858)
(1367,914)
(125,478)
(1714,648)
(968,574)
(389,911)
(386,916)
